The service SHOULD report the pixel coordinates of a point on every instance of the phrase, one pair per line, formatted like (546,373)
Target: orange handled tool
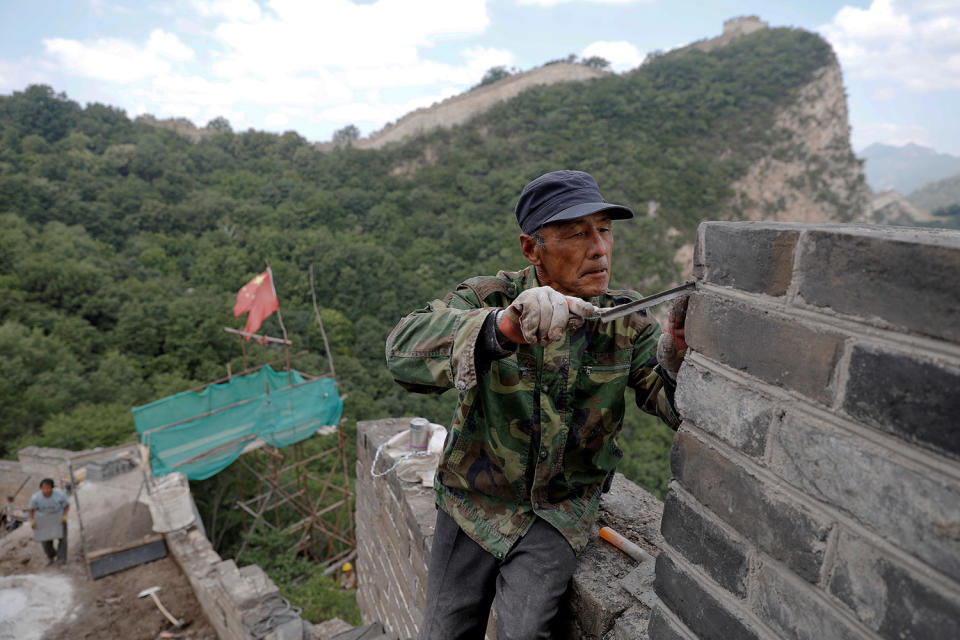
(624,545)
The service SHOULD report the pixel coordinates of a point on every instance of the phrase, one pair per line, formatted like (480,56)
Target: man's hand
(64,519)
(540,315)
(672,345)
(33,524)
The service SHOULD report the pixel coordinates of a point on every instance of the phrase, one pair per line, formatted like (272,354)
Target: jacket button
(536,507)
(545,388)
(543,455)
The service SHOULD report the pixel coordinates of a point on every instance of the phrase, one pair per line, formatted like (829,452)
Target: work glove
(541,315)
(33,524)
(64,519)
(672,345)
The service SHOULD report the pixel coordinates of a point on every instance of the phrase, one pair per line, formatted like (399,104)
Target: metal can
(419,434)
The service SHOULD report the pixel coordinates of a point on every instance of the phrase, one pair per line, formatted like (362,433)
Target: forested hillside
(122,245)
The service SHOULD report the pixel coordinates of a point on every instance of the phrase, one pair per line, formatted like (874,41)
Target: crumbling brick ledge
(230,596)
(610,595)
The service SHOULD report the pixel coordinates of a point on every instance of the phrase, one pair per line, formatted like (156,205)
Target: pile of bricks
(816,487)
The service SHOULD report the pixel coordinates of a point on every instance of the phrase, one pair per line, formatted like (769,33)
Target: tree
(949,210)
(494,74)
(348,134)
(596,62)
(39,110)
(219,125)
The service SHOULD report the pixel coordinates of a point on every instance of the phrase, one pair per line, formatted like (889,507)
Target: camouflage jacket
(535,432)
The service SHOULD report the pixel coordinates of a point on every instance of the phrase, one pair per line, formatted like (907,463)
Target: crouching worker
(50,507)
(541,387)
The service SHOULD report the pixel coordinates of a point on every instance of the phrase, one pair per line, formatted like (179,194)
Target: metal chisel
(612,313)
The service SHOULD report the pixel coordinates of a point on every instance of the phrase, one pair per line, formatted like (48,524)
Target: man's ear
(531,250)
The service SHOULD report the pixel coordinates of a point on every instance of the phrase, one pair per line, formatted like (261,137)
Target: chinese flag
(259,298)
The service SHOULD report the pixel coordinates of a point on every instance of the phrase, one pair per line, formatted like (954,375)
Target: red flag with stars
(259,298)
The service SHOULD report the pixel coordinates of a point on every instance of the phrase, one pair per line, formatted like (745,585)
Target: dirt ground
(48,602)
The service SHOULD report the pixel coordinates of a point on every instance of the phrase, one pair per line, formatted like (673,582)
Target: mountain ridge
(907,167)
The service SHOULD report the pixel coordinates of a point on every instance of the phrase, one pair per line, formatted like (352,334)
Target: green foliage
(220,125)
(349,133)
(646,442)
(596,62)
(319,596)
(950,210)
(89,426)
(123,244)
(494,74)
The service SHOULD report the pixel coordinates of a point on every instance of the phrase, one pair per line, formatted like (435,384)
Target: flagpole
(286,346)
(316,309)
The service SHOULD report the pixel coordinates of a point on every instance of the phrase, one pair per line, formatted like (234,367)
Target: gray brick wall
(610,595)
(816,489)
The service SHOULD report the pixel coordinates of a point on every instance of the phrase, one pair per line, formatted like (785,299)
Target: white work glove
(672,345)
(541,315)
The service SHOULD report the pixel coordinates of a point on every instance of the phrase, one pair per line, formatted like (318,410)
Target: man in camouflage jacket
(541,398)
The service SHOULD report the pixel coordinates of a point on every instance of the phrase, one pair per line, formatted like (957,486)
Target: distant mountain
(889,207)
(936,195)
(906,168)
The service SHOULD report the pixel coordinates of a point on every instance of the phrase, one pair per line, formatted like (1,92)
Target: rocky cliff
(810,173)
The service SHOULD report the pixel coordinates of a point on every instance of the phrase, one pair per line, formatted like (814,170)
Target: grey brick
(729,411)
(696,607)
(705,544)
(890,598)
(791,609)
(911,508)
(632,625)
(751,256)
(764,344)
(913,399)
(907,278)
(595,597)
(661,628)
(782,529)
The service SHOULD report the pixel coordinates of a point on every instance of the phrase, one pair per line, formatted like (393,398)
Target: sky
(315,66)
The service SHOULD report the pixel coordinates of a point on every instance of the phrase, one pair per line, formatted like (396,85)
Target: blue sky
(316,66)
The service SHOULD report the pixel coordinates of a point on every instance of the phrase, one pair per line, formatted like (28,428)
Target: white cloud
(276,120)
(284,57)
(553,3)
(305,37)
(106,59)
(884,93)
(240,10)
(116,60)
(909,44)
(621,54)
(168,45)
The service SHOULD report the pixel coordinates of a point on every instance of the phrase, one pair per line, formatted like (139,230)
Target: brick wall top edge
(918,235)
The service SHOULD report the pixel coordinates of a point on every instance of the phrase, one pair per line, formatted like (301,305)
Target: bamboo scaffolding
(289,498)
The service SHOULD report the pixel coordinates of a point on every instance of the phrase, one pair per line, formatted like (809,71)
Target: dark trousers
(60,552)
(525,587)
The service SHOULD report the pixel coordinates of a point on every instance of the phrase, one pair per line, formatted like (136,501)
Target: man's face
(46,490)
(575,258)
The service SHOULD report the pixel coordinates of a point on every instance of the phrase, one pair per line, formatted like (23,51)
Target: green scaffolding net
(199,434)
